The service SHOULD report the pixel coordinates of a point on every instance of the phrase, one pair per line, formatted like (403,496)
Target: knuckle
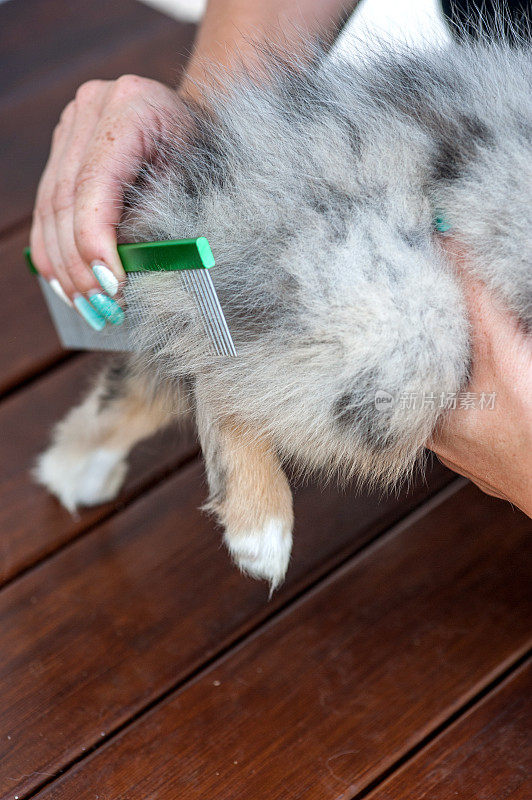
(88,90)
(66,115)
(127,86)
(86,175)
(64,119)
(62,197)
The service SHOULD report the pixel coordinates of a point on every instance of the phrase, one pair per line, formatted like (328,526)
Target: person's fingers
(46,269)
(90,99)
(44,247)
(111,160)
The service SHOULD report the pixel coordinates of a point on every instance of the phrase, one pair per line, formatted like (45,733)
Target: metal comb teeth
(198,283)
(192,258)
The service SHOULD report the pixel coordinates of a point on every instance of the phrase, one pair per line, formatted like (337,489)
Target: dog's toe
(263,553)
(81,479)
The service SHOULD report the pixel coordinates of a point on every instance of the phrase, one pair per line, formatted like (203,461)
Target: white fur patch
(263,553)
(81,479)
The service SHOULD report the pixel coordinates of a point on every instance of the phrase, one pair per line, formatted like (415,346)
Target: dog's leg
(249,494)
(86,462)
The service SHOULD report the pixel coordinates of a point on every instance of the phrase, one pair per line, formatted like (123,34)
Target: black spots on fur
(354,137)
(354,416)
(415,238)
(477,131)
(411,86)
(467,371)
(273,308)
(303,96)
(306,98)
(210,159)
(407,85)
(458,144)
(336,207)
(115,383)
(344,411)
(448,162)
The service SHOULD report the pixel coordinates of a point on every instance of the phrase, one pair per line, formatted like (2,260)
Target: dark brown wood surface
(30,343)
(117,618)
(347,680)
(47,39)
(135,661)
(486,755)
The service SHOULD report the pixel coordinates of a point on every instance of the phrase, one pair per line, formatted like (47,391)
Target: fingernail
(107,280)
(107,308)
(88,313)
(60,292)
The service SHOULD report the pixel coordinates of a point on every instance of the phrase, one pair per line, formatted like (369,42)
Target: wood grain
(32,522)
(103,628)
(40,40)
(140,41)
(321,701)
(29,341)
(127,630)
(486,755)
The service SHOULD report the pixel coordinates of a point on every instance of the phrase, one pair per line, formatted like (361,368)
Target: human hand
(103,136)
(492,446)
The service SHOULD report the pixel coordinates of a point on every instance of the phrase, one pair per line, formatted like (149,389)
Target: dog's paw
(263,553)
(80,478)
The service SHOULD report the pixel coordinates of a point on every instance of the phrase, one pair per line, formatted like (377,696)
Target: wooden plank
(355,674)
(29,342)
(156,49)
(33,523)
(117,618)
(486,755)
(40,39)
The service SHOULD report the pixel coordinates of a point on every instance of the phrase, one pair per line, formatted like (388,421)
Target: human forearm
(231,29)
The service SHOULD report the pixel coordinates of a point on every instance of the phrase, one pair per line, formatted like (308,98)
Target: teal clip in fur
(191,258)
(440,223)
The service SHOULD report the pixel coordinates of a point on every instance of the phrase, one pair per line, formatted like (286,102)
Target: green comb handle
(169,256)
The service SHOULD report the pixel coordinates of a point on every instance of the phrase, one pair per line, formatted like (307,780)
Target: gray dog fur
(317,191)
(318,195)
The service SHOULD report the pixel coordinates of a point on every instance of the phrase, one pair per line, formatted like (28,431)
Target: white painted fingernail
(105,278)
(60,292)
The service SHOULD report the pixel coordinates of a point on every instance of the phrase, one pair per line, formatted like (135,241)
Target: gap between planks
(303,591)
(152,483)
(439,730)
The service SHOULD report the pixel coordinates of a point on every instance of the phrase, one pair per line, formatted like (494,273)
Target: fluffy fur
(317,190)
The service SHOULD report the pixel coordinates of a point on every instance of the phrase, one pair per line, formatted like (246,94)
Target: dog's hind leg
(249,494)
(87,460)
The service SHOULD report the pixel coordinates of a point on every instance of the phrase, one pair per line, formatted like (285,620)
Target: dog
(318,188)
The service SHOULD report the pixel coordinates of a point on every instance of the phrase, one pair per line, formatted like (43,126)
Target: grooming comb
(191,258)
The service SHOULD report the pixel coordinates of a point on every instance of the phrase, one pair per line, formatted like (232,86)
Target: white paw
(263,553)
(80,478)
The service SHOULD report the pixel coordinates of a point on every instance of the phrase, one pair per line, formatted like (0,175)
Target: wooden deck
(136,663)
